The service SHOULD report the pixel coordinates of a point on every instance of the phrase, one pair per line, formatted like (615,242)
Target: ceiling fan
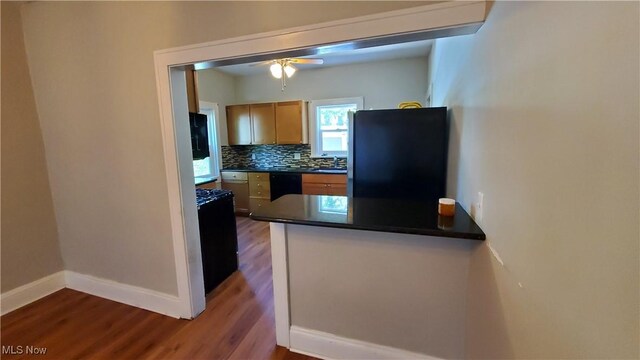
(283,68)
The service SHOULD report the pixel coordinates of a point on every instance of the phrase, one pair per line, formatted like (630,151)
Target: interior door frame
(439,19)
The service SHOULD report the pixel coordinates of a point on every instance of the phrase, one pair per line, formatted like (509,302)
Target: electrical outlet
(253,156)
(480,205)
(477,208)
(296,156)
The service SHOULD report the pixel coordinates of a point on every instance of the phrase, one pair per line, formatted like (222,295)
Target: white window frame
(212,112)
(315,135)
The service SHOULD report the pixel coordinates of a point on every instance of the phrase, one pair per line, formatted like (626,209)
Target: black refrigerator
(399,153)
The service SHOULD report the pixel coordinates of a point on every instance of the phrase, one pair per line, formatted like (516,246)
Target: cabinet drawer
(258,177)
(255,203)
(234,175)
(259,189)
(315,189)
(324,178)
(337,189)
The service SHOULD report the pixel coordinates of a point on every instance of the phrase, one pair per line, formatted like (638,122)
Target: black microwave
(199,136)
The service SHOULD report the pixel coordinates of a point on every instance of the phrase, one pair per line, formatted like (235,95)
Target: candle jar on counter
(446,207)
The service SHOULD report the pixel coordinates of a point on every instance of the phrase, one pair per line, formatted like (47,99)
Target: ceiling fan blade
(307,61)
(269,62)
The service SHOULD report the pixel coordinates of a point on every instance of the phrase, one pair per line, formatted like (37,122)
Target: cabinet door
(239,124)
(192,89)
(241,195)
(263,123)
(289,122)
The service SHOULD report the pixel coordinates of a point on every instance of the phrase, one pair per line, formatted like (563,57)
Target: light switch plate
(296,156)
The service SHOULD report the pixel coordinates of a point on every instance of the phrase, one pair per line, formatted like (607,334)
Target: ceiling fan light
(276,70)
(289,70)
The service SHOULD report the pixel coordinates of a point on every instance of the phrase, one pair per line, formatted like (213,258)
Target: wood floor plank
(238,322)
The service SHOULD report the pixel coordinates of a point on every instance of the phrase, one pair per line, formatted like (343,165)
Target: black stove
(218,235)
(204,196)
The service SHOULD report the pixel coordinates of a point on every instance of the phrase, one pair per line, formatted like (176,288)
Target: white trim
(188,251)
(123,293)
(329,346)
(173,185)
(455,17)
(315,135)
(28,293)
(280,282)
(214,146)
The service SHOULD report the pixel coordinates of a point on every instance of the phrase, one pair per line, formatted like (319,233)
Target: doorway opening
(413,24)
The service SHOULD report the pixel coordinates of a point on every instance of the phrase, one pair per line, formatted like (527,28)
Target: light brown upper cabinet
(290,125)
(239,124)
(263,123)
(267,123)
(251,124)
(192,89)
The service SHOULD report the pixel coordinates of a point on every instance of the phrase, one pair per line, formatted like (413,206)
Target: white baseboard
(127,294)
(329,346)
(28,293)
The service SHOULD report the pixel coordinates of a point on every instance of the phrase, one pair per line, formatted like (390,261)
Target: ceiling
(341,56)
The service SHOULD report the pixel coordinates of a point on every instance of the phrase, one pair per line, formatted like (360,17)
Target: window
(329,125)
(208,166)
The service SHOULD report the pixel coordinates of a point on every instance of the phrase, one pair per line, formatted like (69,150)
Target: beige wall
(93,76)
(394,81)
(30,248)
(403,291)
(545,120)
(383,84)
(218,87)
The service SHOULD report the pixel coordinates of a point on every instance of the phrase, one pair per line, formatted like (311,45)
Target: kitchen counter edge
(460,212)
(288,170)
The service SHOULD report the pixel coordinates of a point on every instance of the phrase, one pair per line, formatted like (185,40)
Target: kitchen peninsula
(369,278)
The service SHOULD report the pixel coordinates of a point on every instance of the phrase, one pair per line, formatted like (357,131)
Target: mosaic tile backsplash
(267,156)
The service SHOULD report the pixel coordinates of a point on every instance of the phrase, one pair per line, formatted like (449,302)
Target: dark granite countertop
(387,215)
(292,170)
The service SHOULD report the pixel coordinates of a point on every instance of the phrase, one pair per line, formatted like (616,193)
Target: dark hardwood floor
(238,322)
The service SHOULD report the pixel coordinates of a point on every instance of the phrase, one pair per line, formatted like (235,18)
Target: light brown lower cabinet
(256,203)
(237,182)
(259,190)
(324,184)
